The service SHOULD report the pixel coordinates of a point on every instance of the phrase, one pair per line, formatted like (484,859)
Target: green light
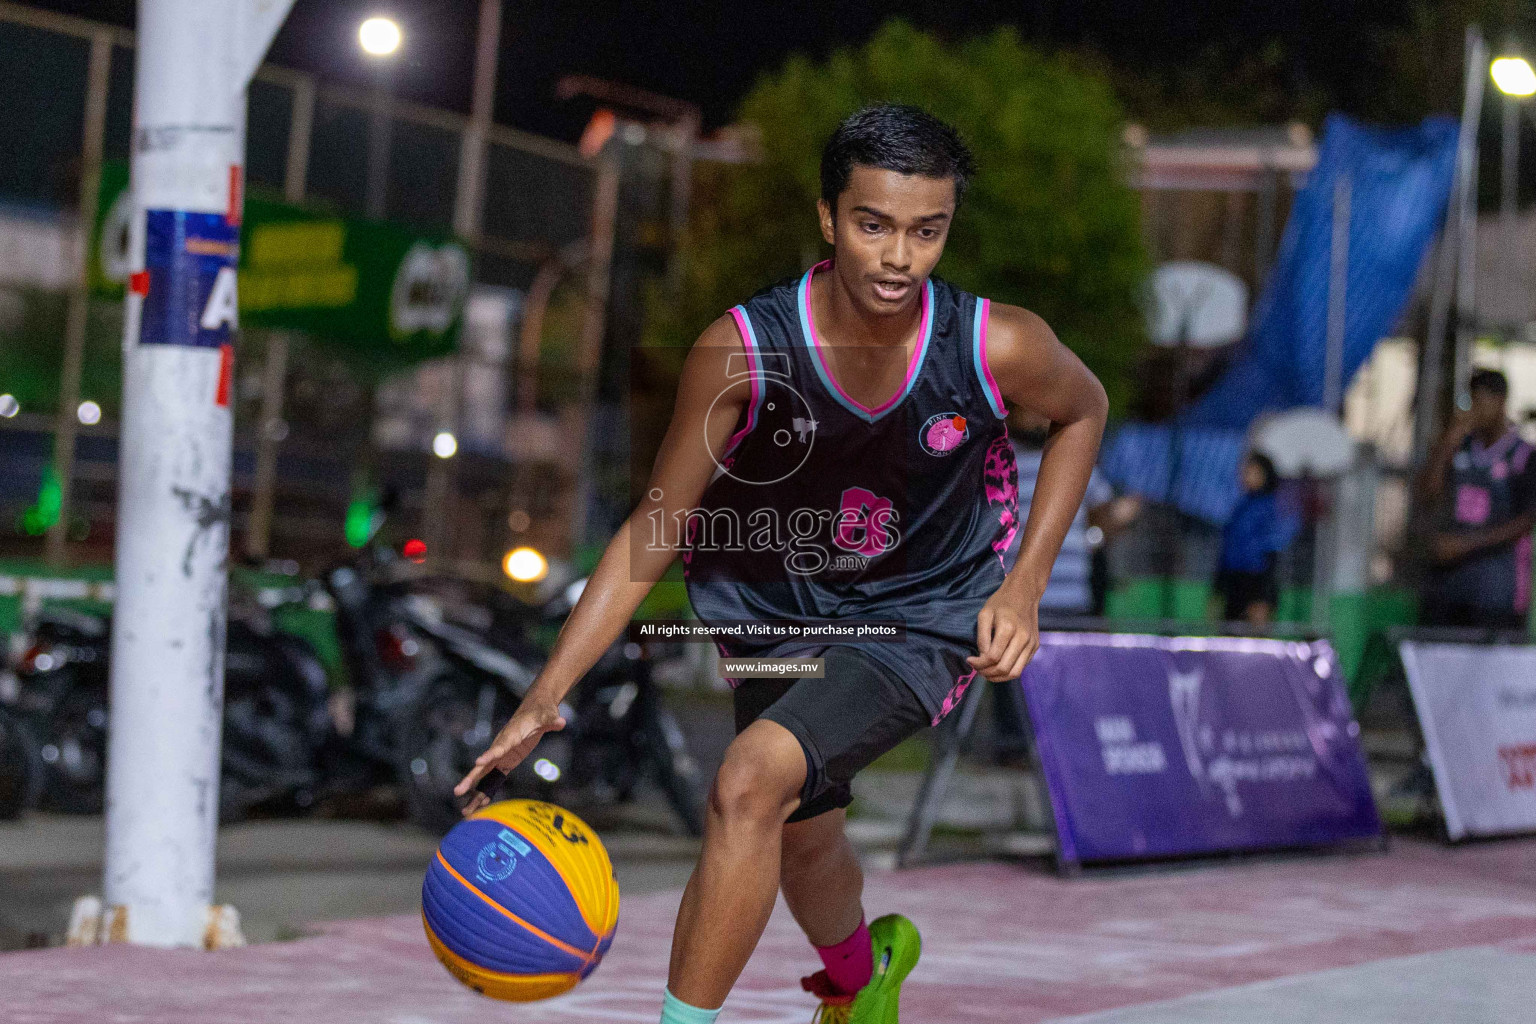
(360,521)
(50,501)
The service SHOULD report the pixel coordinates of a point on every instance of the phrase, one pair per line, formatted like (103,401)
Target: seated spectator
(1481,478)
(1254,536)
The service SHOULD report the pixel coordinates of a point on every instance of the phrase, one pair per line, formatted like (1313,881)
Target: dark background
(1334,53)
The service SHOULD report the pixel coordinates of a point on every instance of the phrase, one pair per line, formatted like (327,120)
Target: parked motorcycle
(20,767)
(274,713)
(620,731)
(427,694)
(61,703)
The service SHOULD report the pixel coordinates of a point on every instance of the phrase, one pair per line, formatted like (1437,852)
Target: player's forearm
(1065,467)
(622,579)
(1497,536)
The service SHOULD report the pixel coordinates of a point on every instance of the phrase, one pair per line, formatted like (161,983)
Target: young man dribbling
(837,452)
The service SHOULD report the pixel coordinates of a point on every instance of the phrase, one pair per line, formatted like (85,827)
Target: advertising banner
(1174,746)
(1477,707)
(387,294)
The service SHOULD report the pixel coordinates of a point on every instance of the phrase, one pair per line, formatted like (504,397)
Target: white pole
(174,464)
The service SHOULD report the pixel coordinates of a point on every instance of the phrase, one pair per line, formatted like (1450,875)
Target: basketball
(520,902)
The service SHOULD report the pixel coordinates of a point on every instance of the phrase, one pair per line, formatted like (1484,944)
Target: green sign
(385,293)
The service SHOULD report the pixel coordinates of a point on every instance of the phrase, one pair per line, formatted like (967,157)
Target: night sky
(711,52)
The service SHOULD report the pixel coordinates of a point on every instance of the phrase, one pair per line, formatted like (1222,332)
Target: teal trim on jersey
(813,344)
(979,357)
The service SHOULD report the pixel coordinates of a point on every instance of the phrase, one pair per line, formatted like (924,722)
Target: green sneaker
(897,946)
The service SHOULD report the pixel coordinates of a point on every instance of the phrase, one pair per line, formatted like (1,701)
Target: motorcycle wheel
(438,746)
(265,757)
(21,773)
(675,771)
(75,754)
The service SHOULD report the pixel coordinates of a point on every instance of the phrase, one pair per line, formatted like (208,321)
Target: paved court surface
(1423,933)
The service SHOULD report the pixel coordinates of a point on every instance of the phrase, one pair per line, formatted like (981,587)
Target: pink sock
(850,963)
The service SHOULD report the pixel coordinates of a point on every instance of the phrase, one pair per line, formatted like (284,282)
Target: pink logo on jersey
(1473,504)
(863,523)
(943,433)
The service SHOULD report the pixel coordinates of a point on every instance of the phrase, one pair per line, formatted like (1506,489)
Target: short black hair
(894,137)
(1491,381)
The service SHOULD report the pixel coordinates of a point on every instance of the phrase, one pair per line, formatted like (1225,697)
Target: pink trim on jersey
(912,365)
(962,683)
(986,369)
(748,343)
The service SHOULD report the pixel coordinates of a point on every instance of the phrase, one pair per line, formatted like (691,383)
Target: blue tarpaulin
(1400,181)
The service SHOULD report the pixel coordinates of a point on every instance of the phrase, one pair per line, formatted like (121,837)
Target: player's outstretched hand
(515,742)
(1007,635)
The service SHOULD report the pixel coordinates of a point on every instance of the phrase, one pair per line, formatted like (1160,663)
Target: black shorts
(844,721)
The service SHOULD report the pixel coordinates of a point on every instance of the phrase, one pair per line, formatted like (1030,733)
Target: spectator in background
(1481,478)
(1259,529)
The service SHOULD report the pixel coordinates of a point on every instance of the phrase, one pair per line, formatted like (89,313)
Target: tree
(1050,221)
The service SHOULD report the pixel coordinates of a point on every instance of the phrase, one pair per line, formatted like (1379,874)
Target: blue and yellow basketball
(520,901)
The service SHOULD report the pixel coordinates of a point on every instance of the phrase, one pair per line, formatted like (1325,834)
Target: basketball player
(838,454)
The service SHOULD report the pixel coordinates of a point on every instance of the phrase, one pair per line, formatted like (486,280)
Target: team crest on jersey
(943,433)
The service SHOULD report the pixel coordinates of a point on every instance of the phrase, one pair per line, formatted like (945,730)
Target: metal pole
(469,203)
(174,464)
(66,418)
(685,135)
(1466,249)
(271,430)
(1264,229)
(1509,167)
(468,215)
(1338,289)
(381,124)
(605,205)
(1431,363)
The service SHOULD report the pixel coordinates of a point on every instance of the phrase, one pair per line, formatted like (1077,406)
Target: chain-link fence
(358,153)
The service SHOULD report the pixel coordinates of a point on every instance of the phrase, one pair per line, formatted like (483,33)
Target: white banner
(1477,706)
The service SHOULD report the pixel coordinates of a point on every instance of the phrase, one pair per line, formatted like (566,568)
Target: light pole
(468,216)
(380,39)
(1516,80)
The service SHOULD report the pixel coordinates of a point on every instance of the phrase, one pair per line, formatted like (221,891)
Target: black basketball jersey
(825,509)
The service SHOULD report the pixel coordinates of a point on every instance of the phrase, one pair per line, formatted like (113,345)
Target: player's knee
(760,778)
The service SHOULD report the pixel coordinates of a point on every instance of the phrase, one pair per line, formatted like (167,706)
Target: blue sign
(1173,746)
(189,283)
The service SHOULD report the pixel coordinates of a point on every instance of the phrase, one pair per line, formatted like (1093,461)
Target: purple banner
(1171,746)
